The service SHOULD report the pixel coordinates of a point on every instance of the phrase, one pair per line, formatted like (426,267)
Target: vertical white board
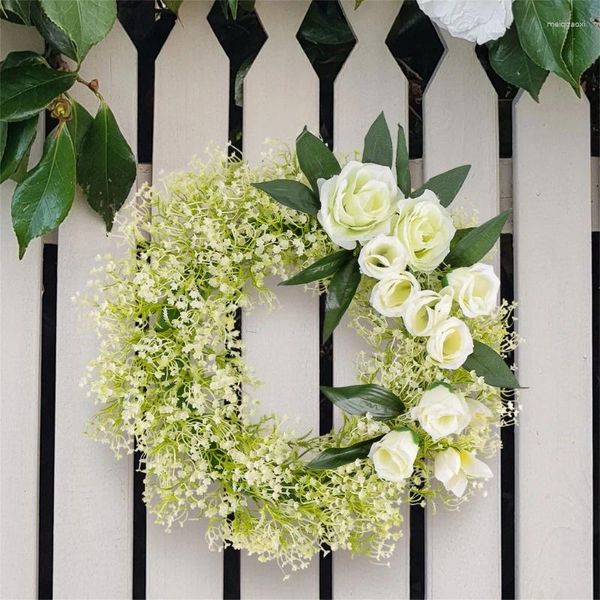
(191,104)
(281,95)
(553,287)
(460,125)
(20,329)
(93,492)
(369,82)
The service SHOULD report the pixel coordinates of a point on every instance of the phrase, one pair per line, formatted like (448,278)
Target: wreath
(173,384)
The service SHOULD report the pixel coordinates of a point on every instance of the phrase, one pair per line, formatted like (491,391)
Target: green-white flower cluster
(171,379)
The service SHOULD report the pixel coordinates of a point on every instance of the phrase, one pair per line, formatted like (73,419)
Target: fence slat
(191,112)
(553,286)
(93,493)
(370,67)
(20,329)
(460,125)
(282,345)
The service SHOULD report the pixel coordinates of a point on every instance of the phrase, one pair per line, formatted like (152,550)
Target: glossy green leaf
(474,245)
(21,171)
(27,89)
(23,57)
(316,160)
(3,136)
(332,458)
(378,147)
(341,290)
(541,34)
(78,124)
(85,22)
(20,136)
(292,194)
(511,62)
(43,199)
(459,235)
(446,185)
(106,167)
(362,399)
(582,46)
(324,267)
(57,38)
(487,363)
(17,11)
(402,164)
(173,6)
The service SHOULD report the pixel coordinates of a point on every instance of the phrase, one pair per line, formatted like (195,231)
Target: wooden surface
(553,287)
(20,336)
(92,492)
(463,549)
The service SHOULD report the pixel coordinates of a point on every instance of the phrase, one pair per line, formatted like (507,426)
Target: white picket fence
(553,187)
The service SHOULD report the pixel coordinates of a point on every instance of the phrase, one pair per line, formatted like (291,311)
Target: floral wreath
(173,383)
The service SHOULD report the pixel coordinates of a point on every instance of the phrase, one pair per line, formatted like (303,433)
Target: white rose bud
(389,296)
(475,289)
(425,310)
(453,468)
(450,343)
(383,256)
(358,204)
(442,412)
(425,228)
(394,455)
(470,20)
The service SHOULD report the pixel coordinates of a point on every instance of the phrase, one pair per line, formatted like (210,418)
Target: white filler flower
(442,412)
(473,20)
(394,455)
(450,343)
(358,204)
(453,469)
(383,256)
(475,289)
(425,228)
(425,310)
(390,295)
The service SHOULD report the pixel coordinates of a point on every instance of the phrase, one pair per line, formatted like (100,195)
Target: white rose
(425,310)
(389,296)
(475,289)
(480,413)
(394,455)
(383,256)
(425,228)
(453,468)
(473,20)
(442,412)
(450,343)
(358,204)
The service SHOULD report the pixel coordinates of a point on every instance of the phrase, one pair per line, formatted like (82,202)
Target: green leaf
(106,168)
(78,124)
(43,199)
(341,290)
(173,6)
(541,34)
(474,245)
(316,160)
(446,185)
(324,267)
(85,22)
(28,89)
(402,164)
(23,57)
(488,364)
(511,62)
(21,171)
(378,147)
(362,399)
(17,11)
(292,194)
(332,458)
(54,35)
(20,136)
(459,235)
(582,46)
(165,319)
(3,136)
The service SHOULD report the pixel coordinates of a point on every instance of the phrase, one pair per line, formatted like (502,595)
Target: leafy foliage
(488,364)
(446,185)
(369,398)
